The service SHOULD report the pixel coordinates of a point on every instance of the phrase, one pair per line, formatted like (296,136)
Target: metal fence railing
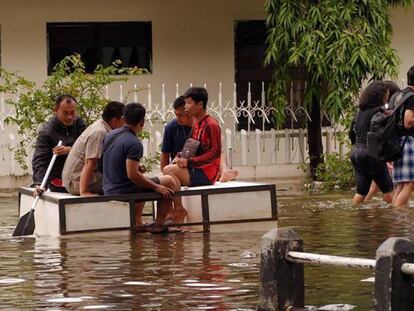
(282,280)
(255,145)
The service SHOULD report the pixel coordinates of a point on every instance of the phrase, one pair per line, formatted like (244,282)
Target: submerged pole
(394,290)
(282,282)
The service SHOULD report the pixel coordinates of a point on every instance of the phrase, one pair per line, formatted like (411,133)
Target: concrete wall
(402,23)
(193,41)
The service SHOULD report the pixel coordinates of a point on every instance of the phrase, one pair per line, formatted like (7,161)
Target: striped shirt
(207,132)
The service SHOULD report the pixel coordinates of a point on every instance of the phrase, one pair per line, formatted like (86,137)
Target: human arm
(166,147)
(41,157)
(61,150)
(93,152)
(165,160)
(211,147)
(133,173)
(87,174)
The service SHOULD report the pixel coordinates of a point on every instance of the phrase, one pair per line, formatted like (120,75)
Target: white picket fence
(247,147)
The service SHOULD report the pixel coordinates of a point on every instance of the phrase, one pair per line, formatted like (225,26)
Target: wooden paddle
(26,224)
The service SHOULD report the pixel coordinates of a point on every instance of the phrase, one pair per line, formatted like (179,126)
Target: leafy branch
(33,104)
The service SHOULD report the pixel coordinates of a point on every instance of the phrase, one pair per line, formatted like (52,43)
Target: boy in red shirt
(203,168)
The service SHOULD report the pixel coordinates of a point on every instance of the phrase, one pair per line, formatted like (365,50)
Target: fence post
(275,143)
(158,140)
(288,158)
(301,139)
(145,147)
(258,147)
(281,282)
(229,149)
(328,138)
(243,136)
(394,290)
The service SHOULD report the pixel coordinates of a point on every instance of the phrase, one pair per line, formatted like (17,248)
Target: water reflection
(330,225)
(191,271)
(126,272)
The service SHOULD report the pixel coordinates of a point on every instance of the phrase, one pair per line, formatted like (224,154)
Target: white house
(181,42)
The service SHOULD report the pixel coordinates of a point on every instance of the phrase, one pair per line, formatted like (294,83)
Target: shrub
(34,104)
(336,173)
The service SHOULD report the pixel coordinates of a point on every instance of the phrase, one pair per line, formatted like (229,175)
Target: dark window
(250,50)
(101,43)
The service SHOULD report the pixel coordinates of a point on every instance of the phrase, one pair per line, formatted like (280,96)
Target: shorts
(73,186)
(368,169)
(137,189)
(197,177)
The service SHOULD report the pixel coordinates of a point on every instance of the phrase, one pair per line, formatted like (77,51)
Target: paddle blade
(26,224)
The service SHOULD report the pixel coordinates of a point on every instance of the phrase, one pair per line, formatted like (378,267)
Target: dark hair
(179,102)
(113,109)
(392,88)
(198,94)
(373,95)
(134,113)
(64,98)
(410,76)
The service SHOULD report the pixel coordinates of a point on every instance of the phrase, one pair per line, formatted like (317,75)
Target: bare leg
(358,199)
(165,206)
(139,206)
(388,197)
(181,177)
(397,192)
(404,196)
(373,190)
(226,174)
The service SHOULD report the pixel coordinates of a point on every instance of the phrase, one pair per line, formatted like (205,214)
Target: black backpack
(387,126)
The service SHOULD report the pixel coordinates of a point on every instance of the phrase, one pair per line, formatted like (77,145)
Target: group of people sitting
(395,180)
(104,158)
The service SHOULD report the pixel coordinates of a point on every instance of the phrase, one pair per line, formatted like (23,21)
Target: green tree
(330,46)
(33,104)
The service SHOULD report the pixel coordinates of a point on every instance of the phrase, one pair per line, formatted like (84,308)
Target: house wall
(193,41)
(402,23)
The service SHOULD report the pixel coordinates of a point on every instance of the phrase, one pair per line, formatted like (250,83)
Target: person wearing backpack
(393,88)
(367,168)
(403,174)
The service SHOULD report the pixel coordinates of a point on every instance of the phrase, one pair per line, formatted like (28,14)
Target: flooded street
(191,271)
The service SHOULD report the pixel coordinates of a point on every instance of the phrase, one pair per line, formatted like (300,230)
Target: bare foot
(180,215)
(228,175)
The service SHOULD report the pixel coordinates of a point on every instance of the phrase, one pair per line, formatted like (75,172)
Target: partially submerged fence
(256,145)
(282,272)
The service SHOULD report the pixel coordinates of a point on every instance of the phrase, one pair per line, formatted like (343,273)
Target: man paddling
(65,125)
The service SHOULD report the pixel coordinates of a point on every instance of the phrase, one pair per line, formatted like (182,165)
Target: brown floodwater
(192,271)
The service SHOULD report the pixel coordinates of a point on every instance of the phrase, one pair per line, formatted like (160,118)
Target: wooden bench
(232,202)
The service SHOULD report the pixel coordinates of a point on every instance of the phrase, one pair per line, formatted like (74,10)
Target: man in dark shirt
(66,126)
(176,133)
(122,173)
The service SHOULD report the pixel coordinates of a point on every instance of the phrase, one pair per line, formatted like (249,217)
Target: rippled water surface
(191,271)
